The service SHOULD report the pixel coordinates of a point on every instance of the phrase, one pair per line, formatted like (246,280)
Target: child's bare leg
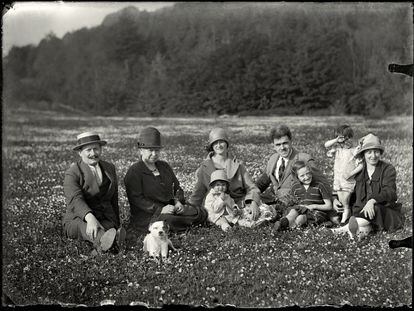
(223,223)
(291,217)
(343,197)
(286,221)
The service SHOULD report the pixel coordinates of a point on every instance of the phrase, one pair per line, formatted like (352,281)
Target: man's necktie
(281,169)
(95,172)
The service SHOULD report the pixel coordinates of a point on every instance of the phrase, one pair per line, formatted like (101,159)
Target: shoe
(107,239)
(281,225)
(328,224)
(353,226)
(120,238)
(345,222)
(114,249)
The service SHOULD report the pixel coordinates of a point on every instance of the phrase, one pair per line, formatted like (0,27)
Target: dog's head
(159,229)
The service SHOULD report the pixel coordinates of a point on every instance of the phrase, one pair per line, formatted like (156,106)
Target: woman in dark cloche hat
(154,192)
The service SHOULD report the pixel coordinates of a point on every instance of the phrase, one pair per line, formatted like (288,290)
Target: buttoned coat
(83,195)
(388,213)
(285,185)
(148,194)
(383,185)
(241,186)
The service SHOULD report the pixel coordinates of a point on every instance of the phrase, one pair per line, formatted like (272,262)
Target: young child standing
(346,165)
(314,200)
(221,208)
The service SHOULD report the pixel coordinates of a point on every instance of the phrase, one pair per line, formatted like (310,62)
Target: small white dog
(156,242)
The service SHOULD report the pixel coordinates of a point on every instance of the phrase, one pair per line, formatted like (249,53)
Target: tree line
(224,58)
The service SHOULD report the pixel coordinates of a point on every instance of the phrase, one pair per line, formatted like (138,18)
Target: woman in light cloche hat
(376,206)
(241,186)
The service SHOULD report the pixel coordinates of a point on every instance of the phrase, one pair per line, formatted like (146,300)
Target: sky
(29,22)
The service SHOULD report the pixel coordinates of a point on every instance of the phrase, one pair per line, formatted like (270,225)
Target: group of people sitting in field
(291,192)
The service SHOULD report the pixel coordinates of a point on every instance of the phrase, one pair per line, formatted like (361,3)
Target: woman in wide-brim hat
(375,206)
(154,192)
(241,186)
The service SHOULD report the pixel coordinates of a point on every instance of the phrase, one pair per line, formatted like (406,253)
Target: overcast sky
(29,22)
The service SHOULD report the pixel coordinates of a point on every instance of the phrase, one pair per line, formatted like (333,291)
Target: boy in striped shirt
(315,205)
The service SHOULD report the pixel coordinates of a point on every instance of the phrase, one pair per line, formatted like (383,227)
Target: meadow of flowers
(245,267)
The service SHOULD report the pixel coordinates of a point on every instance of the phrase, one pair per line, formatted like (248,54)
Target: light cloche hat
(367,142)
(217,134)
(218,175)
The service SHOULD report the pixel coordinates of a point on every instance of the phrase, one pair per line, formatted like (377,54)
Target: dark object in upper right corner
(404,69)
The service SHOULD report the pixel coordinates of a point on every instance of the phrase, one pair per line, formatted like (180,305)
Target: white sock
(342,229)
(362,222)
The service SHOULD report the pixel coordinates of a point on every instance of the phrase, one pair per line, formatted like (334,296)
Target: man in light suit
(91,191)
(278,170)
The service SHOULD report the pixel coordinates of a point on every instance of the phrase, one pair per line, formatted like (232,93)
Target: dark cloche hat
(149,137)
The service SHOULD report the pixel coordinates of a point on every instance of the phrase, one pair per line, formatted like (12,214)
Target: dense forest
(224,58)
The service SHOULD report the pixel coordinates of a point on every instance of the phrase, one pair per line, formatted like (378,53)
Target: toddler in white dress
(346,165)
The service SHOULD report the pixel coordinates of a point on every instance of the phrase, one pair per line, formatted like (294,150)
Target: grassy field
(246,268)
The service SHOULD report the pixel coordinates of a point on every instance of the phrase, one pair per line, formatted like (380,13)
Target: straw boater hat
(218,175)
(217,134)
(88,138)
(367,142)
(149,137)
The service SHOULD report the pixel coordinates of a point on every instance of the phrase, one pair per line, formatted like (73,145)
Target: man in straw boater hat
(91,191)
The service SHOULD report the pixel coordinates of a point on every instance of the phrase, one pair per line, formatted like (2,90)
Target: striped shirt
(315,194)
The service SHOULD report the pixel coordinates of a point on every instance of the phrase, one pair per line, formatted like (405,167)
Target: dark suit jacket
(285,185)
(83,195)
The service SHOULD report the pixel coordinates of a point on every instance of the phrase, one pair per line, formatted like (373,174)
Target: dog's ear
(150,226)
(166,227)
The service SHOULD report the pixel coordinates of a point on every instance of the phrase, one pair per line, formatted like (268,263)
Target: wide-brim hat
(88,138)
(149,137)
(218,175)
(367,142)
(217,134)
